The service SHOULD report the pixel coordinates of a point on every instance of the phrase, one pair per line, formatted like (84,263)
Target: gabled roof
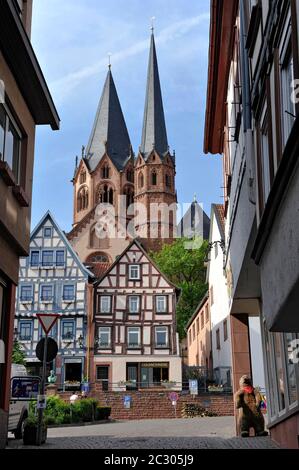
(154,135)
(198,308)
(139,245)
(49,216)
(109,133)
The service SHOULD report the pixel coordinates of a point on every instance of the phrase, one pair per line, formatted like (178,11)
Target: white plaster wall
(258,373)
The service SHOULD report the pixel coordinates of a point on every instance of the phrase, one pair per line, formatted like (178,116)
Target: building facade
(252,120)
(25,102)
(219,299)
(199,337)
(53,280)
(136,342)
(109,173)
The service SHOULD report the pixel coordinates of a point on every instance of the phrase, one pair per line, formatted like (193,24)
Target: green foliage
(83,410)
(18,355)
(185,268)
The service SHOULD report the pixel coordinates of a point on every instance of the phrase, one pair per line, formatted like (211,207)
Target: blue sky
(72,40)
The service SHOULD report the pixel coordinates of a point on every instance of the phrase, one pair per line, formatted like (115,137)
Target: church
(110,173)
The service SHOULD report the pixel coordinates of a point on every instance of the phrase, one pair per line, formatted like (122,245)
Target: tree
(18,355)
(186,269)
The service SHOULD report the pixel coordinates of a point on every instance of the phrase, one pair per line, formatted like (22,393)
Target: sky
(72,40)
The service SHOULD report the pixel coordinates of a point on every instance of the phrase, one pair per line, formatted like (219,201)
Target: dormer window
(134,272)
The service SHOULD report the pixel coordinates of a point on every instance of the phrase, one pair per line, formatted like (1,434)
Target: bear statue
(248,401)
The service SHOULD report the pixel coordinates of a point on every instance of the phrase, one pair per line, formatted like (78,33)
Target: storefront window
(154,374)
(291,368)
(279,361)
(270,368)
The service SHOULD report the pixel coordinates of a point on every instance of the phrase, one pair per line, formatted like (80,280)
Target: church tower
(155,167)
(105,172)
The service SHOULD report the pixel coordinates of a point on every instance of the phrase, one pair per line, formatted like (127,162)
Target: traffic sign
(52,349)
(173,396)
(41,402)
(193,387)
(47,320)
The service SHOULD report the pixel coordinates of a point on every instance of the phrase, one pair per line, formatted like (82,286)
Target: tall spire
(109,133)
(154,134)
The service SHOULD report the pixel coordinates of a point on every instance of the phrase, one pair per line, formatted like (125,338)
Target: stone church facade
(109,169)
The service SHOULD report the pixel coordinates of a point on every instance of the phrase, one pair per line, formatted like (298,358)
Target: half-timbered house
(53,280)
(136,342)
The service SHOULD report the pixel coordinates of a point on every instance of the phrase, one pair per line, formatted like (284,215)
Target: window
(82,199)
(161,304)
(47,258)
(288,106)
(134,272)
(207,313)
(134,304)
(225,335)
(154,178)
(46,293)
(47,232)
(291,369)
(133,337)
(68,292)
(103,376)
(193,331)
(106,172)
(60,258)
(34,258)
(105,304)
(279,362)
(130,175)
(82,177)
(104,336)
(190,337)
(26,293)
(67,329)
(140,180)
(218,339)
(10,142)
(197,326)
(202,319)
(168,181)
(25,330)
(161,335)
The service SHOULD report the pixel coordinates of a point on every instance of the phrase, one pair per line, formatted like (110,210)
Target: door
(132,376)
(103,376)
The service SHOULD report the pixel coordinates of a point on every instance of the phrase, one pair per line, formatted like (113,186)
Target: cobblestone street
(202,433)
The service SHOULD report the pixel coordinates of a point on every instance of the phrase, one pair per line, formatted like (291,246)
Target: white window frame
(104,330)
(134,330)
(135,297)
(133,267)
(165,328)
(107,310)
(158,299)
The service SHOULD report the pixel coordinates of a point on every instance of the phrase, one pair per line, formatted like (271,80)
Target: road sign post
(173,397)
(47,321)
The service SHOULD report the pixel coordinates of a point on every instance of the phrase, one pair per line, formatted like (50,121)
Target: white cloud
(63,86)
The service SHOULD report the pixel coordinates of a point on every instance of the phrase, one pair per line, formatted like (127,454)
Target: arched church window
(83,177)
(105,194)
(154,178)
(167,180)
(106,172)
(82,199)
(130,175)
(141,180)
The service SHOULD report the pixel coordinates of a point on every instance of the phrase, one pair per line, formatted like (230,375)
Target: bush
(84,410)
(57,411)
(103,412)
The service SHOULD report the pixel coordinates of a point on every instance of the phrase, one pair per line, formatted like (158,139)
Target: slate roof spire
(154,134)
(109,133)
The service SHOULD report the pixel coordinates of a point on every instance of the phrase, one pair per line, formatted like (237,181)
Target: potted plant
(30,431)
